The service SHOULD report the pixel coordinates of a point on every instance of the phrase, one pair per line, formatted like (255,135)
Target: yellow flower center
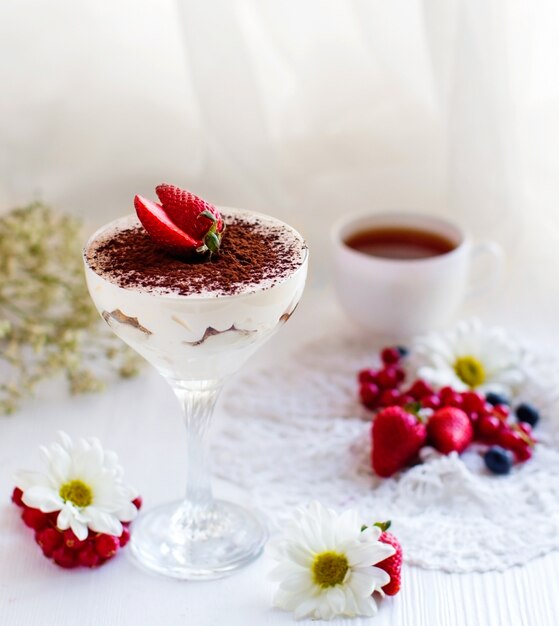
(329,569)
(76,492)
(469,370)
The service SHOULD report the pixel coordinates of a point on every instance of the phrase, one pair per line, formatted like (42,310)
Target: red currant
(488,426)
(65,557)
(523,454)
(501,409)
(367,376)
(387,378)
(71,541)
(106,546)
(34,518)
(88,557)
(525,428)
(49,539)
(390,355)
(16,496)
(405,399)
(125,537)
(389,397)
(431,402)
(473,402)
(420,389)
(369,393)
(510,440)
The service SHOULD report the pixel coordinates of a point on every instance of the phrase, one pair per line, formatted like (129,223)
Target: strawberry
(450,429)
(393,564)
(185,209)
(397,437)
(183,224)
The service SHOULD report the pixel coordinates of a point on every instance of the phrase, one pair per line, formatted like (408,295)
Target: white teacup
(402,296)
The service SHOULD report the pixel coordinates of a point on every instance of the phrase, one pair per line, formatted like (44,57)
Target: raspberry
(88,557)
(390,356)
(16,496)
(106,546)
(49,539)
(125,537)
(34,518)
(65,558)
(71,541)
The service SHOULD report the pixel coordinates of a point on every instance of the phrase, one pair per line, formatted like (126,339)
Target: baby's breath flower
(48,324)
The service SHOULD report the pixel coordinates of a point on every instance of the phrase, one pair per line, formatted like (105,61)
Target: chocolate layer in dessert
(252,252)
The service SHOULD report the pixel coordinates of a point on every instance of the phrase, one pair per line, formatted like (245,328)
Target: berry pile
(412,415)
(62,546)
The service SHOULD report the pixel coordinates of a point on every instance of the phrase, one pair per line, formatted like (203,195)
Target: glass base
(197,544)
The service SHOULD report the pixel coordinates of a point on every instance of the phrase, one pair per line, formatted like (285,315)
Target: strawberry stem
(384,526)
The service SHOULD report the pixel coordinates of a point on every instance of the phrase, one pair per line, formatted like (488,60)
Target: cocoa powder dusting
(251,252)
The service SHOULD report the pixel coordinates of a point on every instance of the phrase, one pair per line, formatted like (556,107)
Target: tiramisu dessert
(195,305)
(195,290)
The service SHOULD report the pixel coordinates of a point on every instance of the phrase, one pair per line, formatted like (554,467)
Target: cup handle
(493,251)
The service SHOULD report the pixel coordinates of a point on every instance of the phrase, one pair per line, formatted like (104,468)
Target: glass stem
(197,399)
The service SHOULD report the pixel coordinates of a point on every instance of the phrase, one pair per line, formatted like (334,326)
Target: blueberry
(498,460)
(527,413)
(402,350)
(496,398)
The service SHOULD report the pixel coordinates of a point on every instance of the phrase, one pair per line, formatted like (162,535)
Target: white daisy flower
(470,357)
(326,564)
(83,482)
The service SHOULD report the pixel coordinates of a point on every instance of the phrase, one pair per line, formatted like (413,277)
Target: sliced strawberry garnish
(161,229)
(189,212)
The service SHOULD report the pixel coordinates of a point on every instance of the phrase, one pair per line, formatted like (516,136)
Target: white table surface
(140,420)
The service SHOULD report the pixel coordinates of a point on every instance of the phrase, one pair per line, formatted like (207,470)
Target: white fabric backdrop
(303,109)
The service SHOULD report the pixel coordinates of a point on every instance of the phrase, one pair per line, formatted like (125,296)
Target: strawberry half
(397,436)
(183,224)
(393,564)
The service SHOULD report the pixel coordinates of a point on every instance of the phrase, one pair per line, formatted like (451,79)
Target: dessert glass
(195,342)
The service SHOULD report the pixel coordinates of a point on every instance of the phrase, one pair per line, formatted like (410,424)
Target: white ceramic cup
(402,297)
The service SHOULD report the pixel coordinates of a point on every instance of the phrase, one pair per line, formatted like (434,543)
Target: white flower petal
(43,498)
(25,479)
(102,522)
(369,554)
(79,528)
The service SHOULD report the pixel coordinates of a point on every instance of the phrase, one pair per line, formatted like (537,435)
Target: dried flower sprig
(48,324)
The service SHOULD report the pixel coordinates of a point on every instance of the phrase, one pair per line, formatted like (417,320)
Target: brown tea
(400,243)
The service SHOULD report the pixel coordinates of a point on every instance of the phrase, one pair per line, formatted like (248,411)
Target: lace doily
(296,432)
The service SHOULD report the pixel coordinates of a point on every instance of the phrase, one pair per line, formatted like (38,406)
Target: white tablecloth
(140,420)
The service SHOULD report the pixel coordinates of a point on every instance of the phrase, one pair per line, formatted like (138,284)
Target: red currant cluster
(490,418)
(62,546)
